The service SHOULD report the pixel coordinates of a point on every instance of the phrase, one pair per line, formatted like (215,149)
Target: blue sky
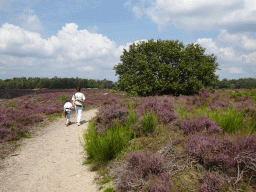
(85,38)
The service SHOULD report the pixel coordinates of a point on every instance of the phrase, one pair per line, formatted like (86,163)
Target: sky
(85,38)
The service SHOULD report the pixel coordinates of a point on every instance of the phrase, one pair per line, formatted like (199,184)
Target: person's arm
(73,100)
(83,98)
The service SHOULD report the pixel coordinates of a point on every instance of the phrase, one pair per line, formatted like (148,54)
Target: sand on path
(50,161)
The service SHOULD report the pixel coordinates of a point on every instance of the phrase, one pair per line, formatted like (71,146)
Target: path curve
(50,161)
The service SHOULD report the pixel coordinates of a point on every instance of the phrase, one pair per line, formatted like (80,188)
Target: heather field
(205,142)
(19,114)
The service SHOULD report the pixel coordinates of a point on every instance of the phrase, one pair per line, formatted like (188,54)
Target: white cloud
(201,14)
(239,40)
(29,21)
(87,68)
(70,49)
(93,29)
(249,59)
(138,12)
(235,70)
(226,53)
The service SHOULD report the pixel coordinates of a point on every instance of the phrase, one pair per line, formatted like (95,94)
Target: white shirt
(78,96)
(68,105)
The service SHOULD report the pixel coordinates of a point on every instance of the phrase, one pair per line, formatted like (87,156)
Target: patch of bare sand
(50,161)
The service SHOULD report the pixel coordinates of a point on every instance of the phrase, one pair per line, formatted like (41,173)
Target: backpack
(78,103)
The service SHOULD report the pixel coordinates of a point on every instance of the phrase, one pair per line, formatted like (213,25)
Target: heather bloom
(219,105)
(203,123)
(159,183)
(219,150)
(29,108)
(211,183)
(109,114)
(163,110)
(145,163)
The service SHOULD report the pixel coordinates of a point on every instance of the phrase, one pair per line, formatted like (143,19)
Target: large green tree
(165,67)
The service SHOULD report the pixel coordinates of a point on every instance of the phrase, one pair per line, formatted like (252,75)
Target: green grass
(149,123)
(13,105)
(53,117)
(15,155)
(17,145)
(62,98)
(112,91)
(229,120)
(109,189)
(106,180)
(27,136)
(105,147)
(244,187)
(132,117)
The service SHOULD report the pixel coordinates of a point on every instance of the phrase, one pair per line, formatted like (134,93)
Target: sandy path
(50,161)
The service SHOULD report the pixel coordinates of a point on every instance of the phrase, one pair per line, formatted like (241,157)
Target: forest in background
(54,83)
(72,83)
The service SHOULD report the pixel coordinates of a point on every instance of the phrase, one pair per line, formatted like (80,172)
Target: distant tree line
(243,83)
(54,83)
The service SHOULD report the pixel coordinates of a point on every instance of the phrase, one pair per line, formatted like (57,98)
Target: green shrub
(112,91)
(132,117)
(244,187)
(229,120)
(131,94)
(109,189)
(106,146)
(254,99)
(13,105)
(149,123)
(62,98)
(253,92)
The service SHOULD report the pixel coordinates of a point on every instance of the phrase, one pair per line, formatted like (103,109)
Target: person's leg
(68,118)
(79,115)
(76,108)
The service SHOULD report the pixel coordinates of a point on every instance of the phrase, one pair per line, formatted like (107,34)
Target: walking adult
(78,101)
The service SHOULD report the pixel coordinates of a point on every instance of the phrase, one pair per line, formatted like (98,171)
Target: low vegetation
(205,142)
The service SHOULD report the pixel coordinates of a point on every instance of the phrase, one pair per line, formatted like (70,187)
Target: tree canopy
(54,83)
(165,67)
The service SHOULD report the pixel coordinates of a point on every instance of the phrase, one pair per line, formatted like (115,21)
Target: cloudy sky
(85,38)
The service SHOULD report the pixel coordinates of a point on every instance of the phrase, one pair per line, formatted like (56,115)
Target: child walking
(67,110)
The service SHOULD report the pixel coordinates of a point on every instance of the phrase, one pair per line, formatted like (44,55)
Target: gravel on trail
(51,160)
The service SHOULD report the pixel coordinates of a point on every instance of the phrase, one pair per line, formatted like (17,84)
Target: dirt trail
(50,161)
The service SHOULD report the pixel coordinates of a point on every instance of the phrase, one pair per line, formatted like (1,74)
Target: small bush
(203,123)
(104,147)
(164,110)
(109,189)
(229,120)
(149,123)
(62,98)
(145,164)
(159,183)
(222,151)
(131,94)
(211,183)
(219,105)
(132,117)
(108,115)
(112,91)
(13,105)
